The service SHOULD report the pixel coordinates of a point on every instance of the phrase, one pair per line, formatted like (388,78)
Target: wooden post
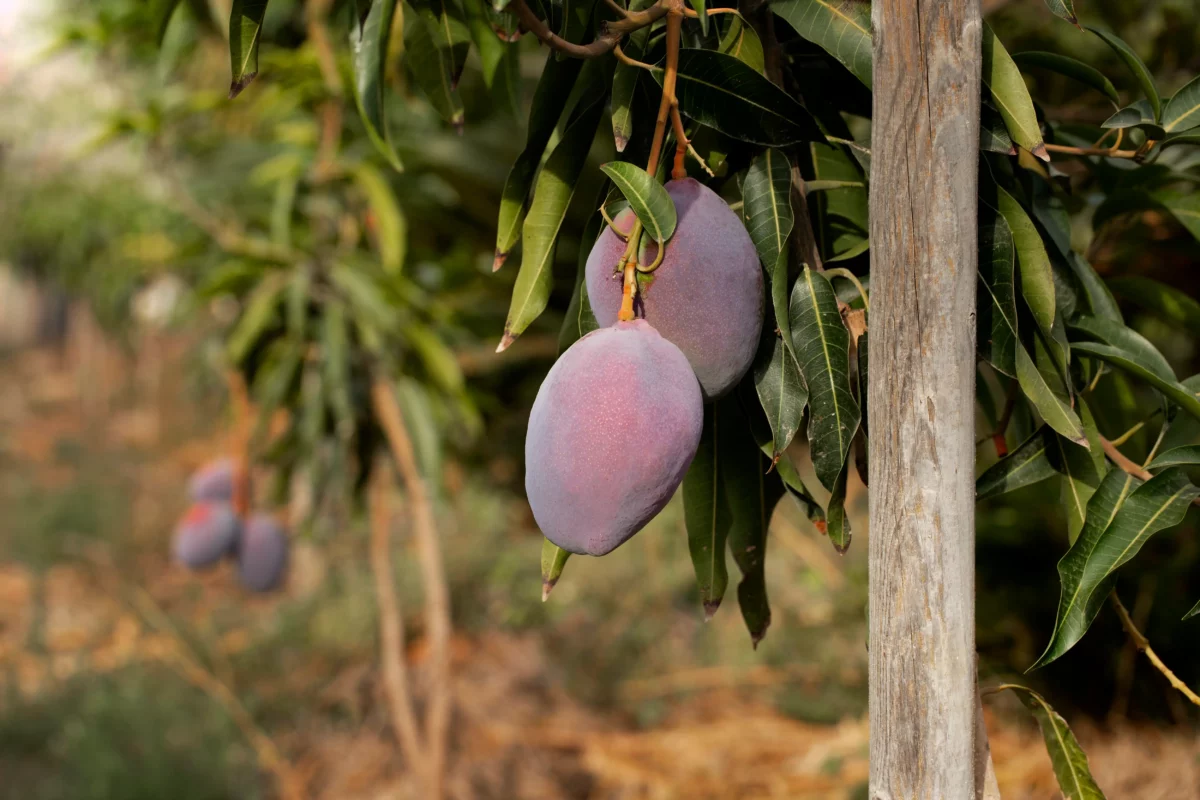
(925,144)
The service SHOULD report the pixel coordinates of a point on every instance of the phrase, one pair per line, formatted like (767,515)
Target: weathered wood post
(925,144)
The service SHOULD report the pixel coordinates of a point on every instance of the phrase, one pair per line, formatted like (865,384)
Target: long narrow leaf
(245,33)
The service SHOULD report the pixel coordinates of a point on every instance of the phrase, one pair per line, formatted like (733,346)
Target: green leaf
(706,512)
(1082,470)
(1123,338)
(500,60)
(1139,114)
(258,316)
(646,196)
(436,42)
(1025,466)
(555,187)
(1054,410)
(553,89)
(1136,366)
(701,8)
(838,523)
(554,559)
(335,354)
(297,304)
(996,302)
(1011,95)
(1067,758)
(794,485)
(993,134)
(1064,9)
(274,379)
(767,207)
(1178,139)
(370,53)
(822,346)
(625,80)
(417,406)
(842,206)
(579,319)
(1037,276)
(1167,303)
(390,225)
(576,18)
(162,11)
(1184,206)
(1119,521)
(245,30)
(781,390)
(437,358)
(728,95)
(1186,456)
(840,27)
(740,41)
(1135,65)
(1071,68)
(1193,612)
(752,494)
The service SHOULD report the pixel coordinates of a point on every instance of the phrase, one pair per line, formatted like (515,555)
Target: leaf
(722,92)
(781,390)
(335,355)
(1123,338)
(706,513)
(767,207)
(369,50)
(1064,9)
(436,42)
(740,41)
(625,80)
(553,89)
(162,11)
(297,304)
(752,494)
(1099,298)
(646,196)
(1135,65)
(1186,456)
(1025,466)
(552,195)
(579,319)
(259,314)
(996,302)
(1071,68)
(417,406)
(1183,110)
(1119,521)
(437,358)
(842,207)
(1139,114)
(1011,95)
(993,134)
(1067,758)
(822,347)
(1136,366)
(576,18)
(1037,276)
(389,225)
(362,297)
(1165,302)
(554,558)
(499,59)
(245,30)
(274,379)
(701,8)
(795,487)
(838,524)
(840,27)
(1184,207)
(1057,414)
(1193,612)
(1081,469)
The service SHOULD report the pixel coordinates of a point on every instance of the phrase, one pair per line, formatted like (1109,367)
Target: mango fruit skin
(213,483)
(706,296)
(207,533)
(262,554)
(611,434)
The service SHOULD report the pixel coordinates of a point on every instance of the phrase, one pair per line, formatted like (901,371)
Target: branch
(391,622)
(611,31)
(1093,151)
(1143,644)
(433,576)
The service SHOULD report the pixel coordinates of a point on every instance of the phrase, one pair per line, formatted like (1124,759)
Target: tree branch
(433,576)
(1143,644)
(611,31)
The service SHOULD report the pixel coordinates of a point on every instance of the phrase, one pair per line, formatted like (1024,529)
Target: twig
(632,62)
(1093,151)
(437,597)
(391,621)
(842,272)
(606,41)
(691,12)
(1128,465)
(1143,644)
(243,412)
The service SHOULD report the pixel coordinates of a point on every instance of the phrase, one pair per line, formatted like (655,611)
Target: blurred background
(137,209)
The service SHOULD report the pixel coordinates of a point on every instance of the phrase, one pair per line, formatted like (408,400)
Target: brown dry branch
(433,576)
(609,37)
(391,621)
(1143,644)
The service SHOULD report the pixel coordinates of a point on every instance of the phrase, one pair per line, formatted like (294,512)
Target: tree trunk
(925,142)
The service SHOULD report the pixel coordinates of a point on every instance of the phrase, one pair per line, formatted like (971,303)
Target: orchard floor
(134,679)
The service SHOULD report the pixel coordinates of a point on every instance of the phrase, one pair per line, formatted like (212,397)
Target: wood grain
(925,143)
